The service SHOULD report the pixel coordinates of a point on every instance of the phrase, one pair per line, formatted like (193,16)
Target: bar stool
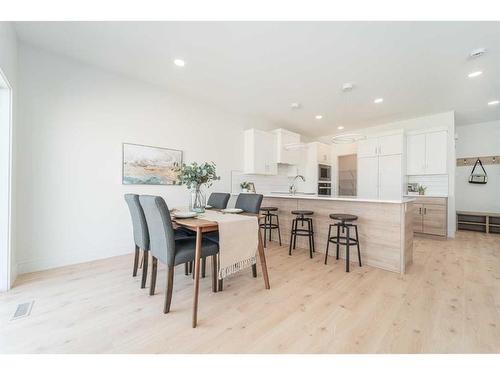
(344,221)
(268,222)
(309,232)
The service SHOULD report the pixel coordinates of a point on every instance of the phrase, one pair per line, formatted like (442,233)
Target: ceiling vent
(477,53)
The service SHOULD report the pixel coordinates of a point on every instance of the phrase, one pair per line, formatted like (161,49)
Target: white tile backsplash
(263,184)
(436,184)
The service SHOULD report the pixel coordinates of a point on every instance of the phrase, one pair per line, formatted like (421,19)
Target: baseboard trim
(43,264)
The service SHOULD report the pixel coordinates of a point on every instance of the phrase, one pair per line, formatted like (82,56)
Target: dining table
(201,226)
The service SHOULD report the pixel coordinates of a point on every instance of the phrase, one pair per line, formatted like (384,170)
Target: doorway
(347,174)
(5,181)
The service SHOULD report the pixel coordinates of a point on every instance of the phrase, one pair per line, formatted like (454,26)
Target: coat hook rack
(486,160)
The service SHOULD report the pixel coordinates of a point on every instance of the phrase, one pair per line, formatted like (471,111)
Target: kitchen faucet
(292,189)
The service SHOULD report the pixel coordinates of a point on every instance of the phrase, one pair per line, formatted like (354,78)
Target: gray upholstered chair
(218,200)
(169,251)
(141,235)
(249,203)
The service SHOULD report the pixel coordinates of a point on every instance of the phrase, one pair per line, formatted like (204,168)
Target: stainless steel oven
(324,188)
(324,172)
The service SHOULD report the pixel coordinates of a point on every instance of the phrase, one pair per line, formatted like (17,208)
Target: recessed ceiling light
(378,100)
(477,52)
(494,102)
(318,117)
(179,62)
(295,106)
(475,74)
(340,127)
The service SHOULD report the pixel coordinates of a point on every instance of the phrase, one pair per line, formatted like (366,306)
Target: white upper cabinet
(435,152)
(427,153)
(384,145)
(368,148)
(380,169)
(283,138)
(260,152)
(415,154)
(324,153)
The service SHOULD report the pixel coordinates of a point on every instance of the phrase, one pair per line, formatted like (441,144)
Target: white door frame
(6,185)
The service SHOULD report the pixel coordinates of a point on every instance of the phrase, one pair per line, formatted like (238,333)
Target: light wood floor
(449,302)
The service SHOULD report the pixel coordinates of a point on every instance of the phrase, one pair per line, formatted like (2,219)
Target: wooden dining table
(201,226)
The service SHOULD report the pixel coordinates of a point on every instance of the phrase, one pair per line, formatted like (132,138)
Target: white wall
(8,91)
(481,139)
(72,123)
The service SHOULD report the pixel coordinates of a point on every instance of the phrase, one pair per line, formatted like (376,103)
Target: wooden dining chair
(165,248)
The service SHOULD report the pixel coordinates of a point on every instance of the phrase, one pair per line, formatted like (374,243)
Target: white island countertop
(338,198)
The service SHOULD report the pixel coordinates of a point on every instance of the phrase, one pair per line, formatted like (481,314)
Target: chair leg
(270,229)
(203,267)
(154,270)
(310,239)
(279,232)
(357,243)
(347,250)
(220,287)
(214,273)
(136,261)
(186,268)
(170,288)
(312,234)
(295,237)
(144,269)
(338,240)
(328,243)
(254,270)
(291,238)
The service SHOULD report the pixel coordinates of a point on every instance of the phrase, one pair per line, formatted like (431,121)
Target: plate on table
(208,207)
(184,214)
(232,210)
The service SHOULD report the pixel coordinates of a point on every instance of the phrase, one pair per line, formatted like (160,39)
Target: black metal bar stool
(268,224)
(309,232)
(344,221)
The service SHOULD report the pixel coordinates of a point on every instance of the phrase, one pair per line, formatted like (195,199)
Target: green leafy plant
(194,175)
(421,190)
(245,185)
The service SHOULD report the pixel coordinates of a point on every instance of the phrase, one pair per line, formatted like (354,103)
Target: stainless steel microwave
(324,172)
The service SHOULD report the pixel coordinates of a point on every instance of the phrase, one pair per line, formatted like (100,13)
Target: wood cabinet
(380,169)
(430,216)
(427,153)
(260,152)
(284,154)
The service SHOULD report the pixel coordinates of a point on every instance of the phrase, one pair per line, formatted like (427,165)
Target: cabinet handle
(425,210)
(420,210)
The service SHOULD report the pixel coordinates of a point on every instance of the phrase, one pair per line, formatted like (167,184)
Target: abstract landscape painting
(147,165)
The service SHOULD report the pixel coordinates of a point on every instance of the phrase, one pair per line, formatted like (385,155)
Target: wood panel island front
(385,226)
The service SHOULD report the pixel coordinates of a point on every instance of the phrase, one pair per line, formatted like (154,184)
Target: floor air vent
(23,310)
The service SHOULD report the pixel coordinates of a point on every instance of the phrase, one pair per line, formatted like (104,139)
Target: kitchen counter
(385,227)
(346,198)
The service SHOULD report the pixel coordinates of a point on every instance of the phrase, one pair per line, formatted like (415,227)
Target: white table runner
(238,240)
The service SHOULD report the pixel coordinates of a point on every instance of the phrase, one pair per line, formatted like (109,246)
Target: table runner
(238,240)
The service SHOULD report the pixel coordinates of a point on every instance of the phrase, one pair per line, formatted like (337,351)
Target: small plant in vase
(194,176)
(245,186)
(421,190)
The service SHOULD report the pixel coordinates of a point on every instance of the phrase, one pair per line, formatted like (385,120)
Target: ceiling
(260,68)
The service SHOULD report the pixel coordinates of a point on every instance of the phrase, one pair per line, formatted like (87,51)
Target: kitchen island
(385,226)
